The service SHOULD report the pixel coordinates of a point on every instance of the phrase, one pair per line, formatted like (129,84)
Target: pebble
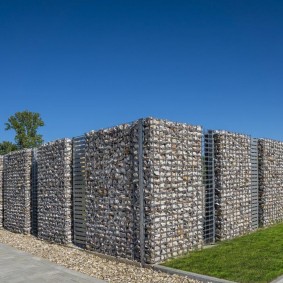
(111,271)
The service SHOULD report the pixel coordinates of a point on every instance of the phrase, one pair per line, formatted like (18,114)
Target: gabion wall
(1,189)
(110,192)
(172,185)
(173,190)
(54,165)
(17,189)
(270,181)
(232,184)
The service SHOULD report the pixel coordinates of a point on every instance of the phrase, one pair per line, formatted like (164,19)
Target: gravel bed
(88,263)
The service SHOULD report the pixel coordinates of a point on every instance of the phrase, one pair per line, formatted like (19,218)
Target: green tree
(6,147)
(25,125)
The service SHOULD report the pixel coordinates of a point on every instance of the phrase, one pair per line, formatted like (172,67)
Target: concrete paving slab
(18,267)
(278,280)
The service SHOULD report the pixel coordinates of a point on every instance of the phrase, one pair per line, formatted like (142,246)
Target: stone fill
(270,181)
(54,173)
(17,190)
(232,184)
(173,190)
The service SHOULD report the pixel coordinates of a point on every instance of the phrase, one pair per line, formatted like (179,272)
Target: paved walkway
(17,266)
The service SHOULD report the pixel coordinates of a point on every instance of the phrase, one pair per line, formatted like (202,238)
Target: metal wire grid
(55,189)
(176,189)
(183,167)
(79,213)
(110,192)
(232,184)
(209,182)
(270,181)
(17,203)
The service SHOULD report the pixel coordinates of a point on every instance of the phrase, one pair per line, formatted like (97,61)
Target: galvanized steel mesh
(17,191)
(233,184)
(54,191)
(270,181)
(173,190)
(143,190)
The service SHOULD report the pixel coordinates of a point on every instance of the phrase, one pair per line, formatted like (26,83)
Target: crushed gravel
(109,270)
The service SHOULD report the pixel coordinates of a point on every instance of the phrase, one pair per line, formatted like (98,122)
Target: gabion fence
(110,194)
(144,191)
(270,181)
(174,191)
(17,189)
(233,185)
(54,191)
(158,161)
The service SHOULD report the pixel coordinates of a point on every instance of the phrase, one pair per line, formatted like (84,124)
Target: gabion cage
(17,190)
(54,191)
(270,181)
(231,185)
(144,191)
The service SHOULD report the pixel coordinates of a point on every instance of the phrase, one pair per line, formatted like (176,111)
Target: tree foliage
(26,124)
(6,147)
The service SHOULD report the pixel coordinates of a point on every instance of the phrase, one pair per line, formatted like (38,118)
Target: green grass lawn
(257,257)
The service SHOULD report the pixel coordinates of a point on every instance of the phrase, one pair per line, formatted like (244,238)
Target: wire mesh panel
(270,181)
(233,184)
(17,191)
(174,192)
(112,194)
(209,181)
(54,175)
(144,175)
(79,214)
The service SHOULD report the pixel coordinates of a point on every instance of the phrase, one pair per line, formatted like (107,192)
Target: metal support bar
(141,191)
(79,213)
(254,183)
(209,182)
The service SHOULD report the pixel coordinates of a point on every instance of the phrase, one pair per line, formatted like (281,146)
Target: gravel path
(88,263)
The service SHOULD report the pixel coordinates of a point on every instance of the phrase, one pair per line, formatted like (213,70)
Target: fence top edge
(143,119)
(230,133)
(270,140)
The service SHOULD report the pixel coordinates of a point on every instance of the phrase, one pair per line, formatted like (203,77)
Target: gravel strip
(88,263)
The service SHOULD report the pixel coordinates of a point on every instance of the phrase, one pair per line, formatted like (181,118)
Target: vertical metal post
(209,181)
(141,191)
(79,206)
(254,183)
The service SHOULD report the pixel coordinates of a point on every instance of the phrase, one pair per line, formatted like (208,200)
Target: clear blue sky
(87,65)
